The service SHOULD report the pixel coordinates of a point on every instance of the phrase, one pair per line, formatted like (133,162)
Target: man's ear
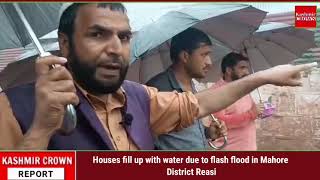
(184,56)
(64,44)
(229,70)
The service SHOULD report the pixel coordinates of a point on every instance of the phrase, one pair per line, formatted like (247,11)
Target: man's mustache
(111,64)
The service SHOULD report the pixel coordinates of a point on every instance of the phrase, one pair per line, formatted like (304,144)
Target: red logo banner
(306,16)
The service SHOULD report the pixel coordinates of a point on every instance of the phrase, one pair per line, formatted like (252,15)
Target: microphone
(127,119)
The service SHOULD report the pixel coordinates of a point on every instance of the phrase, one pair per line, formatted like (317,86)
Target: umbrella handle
(225,139)
(69,121)
(70,116)
(210,142)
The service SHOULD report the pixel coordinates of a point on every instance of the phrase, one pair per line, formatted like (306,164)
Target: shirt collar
(173,81)
(114,100)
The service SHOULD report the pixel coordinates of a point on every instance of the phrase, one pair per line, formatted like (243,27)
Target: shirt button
(118,138)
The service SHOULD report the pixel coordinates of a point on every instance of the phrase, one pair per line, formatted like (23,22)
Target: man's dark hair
(188,40)
(66,24)
(230,60)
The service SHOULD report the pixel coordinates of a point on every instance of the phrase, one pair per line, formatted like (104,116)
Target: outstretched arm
(283,75)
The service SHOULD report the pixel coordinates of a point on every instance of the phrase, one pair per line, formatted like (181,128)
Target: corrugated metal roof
(287,18)
(9,55)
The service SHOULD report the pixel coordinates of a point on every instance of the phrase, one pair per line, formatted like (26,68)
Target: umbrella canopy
(20,72)
(228,23)
(22,20)
(42,17)
(159,60)
(272,44)
(277,43)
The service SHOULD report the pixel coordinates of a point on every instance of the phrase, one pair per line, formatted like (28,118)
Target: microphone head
(128,118)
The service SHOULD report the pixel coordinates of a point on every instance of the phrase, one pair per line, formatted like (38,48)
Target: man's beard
(235,77)
(84,74)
